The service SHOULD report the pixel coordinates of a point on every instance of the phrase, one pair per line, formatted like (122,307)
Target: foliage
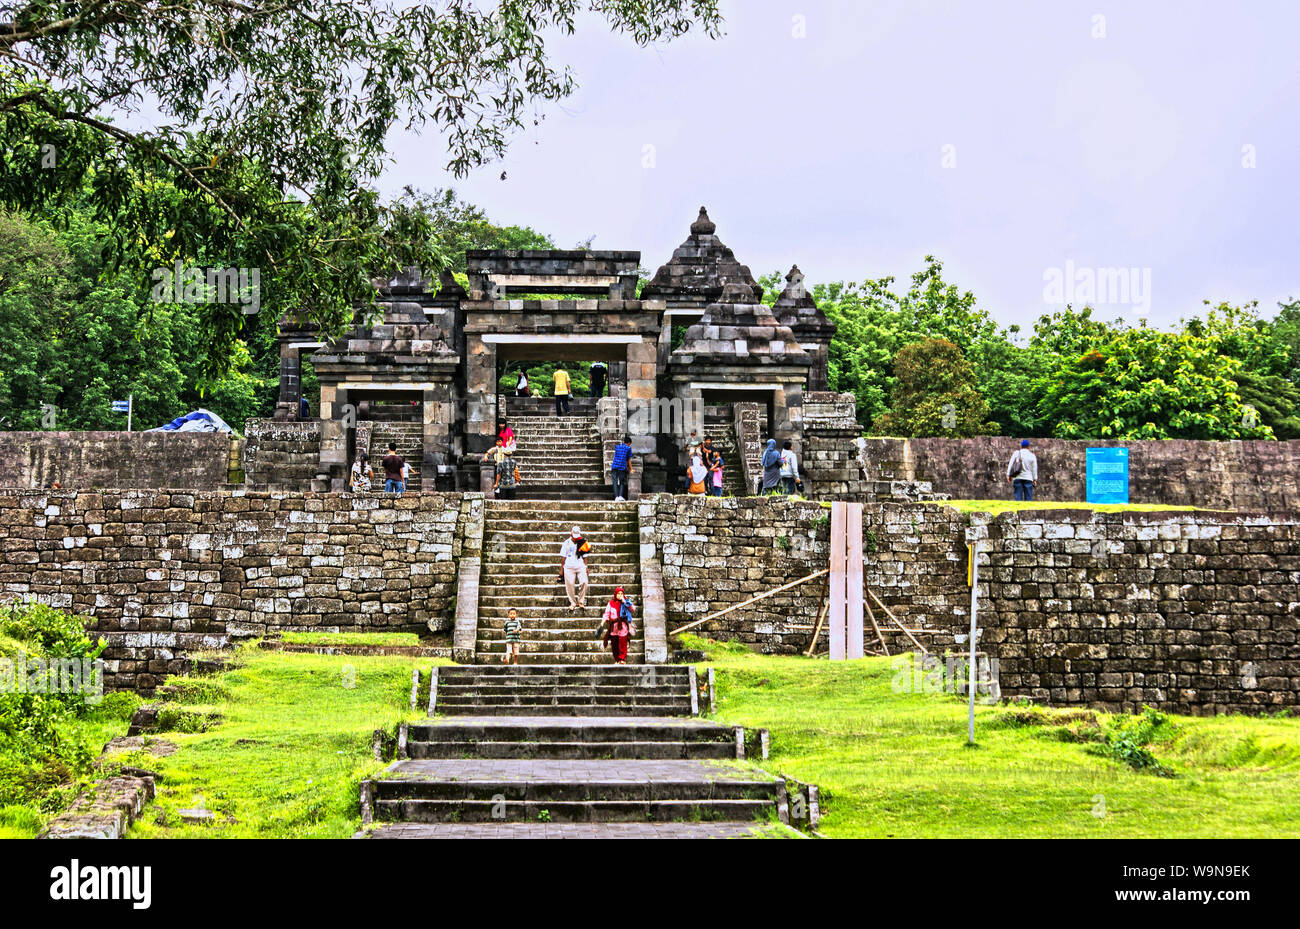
(1127,739)
(269,119)
(934,394)
(1142,384)
(43,747)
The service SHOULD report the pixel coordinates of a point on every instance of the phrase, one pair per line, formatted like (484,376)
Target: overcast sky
(1008,139)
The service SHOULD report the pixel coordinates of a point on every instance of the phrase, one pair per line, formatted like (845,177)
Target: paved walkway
(716,830)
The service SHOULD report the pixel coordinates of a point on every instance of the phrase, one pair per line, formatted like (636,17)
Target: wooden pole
(817,630)
(763,596)
(889,613)
(872,617)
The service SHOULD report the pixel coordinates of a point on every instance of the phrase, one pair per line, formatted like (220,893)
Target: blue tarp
(198,421)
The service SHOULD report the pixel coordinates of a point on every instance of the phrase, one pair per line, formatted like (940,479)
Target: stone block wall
(88,460)
(281,455)
(1193,612)
(719,553)
(1190,612)
(167,573)
(1259,476)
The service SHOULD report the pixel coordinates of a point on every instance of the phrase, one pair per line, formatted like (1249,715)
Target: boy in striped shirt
(514,632)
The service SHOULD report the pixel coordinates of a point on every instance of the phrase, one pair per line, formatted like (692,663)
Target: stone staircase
(521,565)
(720,427)
(577,690)
(589,738)
(409,439)
(559,457)
(470,765)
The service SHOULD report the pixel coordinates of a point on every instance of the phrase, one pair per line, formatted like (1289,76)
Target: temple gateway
(696,350)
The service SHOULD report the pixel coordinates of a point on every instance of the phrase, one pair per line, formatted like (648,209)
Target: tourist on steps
(1022,472)
(716,468)
(573,568)
(394,470)
(521,385)
(598,372)
(507,479)
(562,391)
(362,475)
(618,469)
(618,625)
(507,436)
(696,474)
(514,632)
(497,453)
(789,469)
(771,469)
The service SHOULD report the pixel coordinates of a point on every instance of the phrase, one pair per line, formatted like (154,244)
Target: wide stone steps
(559,790)
(521,570)
(571,737)
(580,687)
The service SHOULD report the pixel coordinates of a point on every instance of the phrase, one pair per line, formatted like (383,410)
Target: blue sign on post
(1108,475)
(121,406)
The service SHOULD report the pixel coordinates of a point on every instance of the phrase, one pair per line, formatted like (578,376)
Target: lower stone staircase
(409,439)
(528,772)
(521,567)
(559,457)
(578,690)
(720,427)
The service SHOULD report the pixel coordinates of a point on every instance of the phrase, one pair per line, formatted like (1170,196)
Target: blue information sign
(121,406)
(1108,475)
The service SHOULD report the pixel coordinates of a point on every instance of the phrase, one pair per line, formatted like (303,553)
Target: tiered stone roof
(699,270)
(738,330)
(797,309)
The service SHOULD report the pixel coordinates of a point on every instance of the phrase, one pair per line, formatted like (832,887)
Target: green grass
(290,750)
(1008,506)
(351,638)
(897,765)
(52,782)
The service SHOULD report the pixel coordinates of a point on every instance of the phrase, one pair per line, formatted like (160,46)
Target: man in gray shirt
(1022,472)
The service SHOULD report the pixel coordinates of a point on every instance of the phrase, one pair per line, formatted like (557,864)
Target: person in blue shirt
(618,469)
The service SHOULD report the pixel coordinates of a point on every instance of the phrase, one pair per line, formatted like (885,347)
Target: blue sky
(1069,142)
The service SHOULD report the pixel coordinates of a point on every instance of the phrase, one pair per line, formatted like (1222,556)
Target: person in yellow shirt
(562,391)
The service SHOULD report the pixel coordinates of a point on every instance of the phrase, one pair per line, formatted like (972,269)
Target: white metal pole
(974,600)
(130,408)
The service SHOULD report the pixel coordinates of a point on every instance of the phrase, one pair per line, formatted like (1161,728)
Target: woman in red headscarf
(618,625)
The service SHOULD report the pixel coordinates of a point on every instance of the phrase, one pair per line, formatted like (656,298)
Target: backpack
(1017,465)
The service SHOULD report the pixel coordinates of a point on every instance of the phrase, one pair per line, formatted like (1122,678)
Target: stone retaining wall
(168,573)
(1254,476)
(1191,612)
(84,460)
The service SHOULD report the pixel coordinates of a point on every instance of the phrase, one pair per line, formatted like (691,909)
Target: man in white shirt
(789,468)
(1022,472)
(573,568)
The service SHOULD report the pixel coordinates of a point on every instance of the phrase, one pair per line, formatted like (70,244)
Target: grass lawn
(896,764)
(291,747)
(351,638)
(1007,506)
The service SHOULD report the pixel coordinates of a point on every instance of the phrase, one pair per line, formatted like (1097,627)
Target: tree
(873,323)
(934,394)
(1146,384)
(271,114)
